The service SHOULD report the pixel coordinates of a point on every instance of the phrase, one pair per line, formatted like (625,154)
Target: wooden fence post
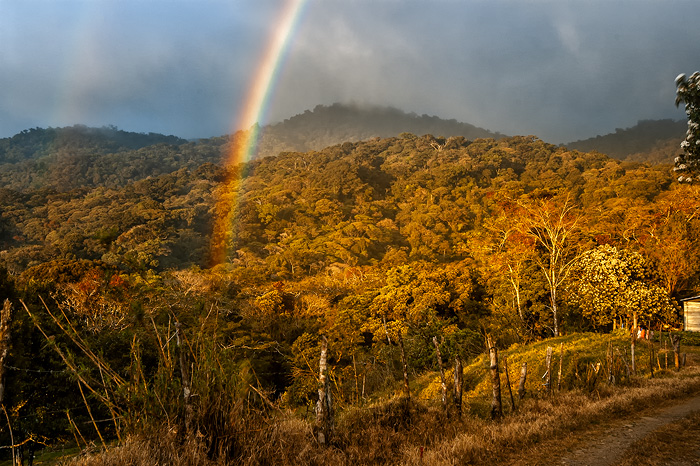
(185,377)
(5,319)
(442,373)
(634,341)
(548,374)
(406,386)
(611,363)
(496,408)
(632,356)
(592,376)
(676,343)
(510,390)
(561,362)
(458,385)
(624,360)
(324,415)
(521,385)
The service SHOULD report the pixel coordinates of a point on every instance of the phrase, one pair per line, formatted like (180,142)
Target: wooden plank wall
(691,315)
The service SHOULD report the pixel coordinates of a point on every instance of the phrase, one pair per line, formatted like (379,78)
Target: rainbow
(264,81)
(253,112)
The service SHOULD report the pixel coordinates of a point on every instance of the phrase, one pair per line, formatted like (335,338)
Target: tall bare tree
(551,222)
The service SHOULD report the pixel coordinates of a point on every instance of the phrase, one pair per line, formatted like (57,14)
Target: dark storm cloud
(177,67)
(561,70)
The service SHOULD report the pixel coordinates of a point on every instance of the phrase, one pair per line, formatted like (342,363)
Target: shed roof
(690,298)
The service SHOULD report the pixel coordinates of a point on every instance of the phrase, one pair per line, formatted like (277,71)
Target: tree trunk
(324,415)
(496,409)
(406,387)
(438,356)
(555,311)
(521,385)
(458,385)
(386,331)
(515,283)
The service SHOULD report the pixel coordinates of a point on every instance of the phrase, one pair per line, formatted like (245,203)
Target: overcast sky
(558,69)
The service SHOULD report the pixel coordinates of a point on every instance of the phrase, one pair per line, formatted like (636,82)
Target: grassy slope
(393,433)
(581,352)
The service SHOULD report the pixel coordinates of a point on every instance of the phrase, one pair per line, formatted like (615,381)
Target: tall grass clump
(228,418)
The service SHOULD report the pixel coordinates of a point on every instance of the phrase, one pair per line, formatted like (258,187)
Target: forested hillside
(62,159)
(651,141)
(329,125)
(389,248)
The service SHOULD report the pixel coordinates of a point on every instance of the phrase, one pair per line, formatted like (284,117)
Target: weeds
(227,419)
(398,432)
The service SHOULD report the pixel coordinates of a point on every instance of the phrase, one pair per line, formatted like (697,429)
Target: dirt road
(610,448)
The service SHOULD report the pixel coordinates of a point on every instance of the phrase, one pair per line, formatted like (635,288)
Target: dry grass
(227,430)
(410,434)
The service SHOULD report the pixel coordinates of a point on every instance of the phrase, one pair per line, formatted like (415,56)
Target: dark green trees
(688,92)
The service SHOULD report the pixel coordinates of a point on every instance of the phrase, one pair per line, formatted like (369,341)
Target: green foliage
(430,236)
(582,352)
(650,141)
(688,92)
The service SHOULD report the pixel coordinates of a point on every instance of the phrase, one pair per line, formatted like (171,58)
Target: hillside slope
(653,141)
(75,157)
(329,125)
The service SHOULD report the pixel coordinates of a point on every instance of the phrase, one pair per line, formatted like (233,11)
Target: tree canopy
(421,237)
(688,92)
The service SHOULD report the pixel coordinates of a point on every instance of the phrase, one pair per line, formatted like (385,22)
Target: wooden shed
(691,314)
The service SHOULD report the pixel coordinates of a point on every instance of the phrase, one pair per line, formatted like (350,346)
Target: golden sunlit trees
(612,285)
(507,252)
(552,222)
(529,245)
(669,236)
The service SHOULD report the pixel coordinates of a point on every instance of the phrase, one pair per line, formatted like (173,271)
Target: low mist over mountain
(653,141)
(328,125)
(79,156)
(38,142)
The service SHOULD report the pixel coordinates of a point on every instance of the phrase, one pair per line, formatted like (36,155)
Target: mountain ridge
(652,141)
(325,126)
(93,152)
